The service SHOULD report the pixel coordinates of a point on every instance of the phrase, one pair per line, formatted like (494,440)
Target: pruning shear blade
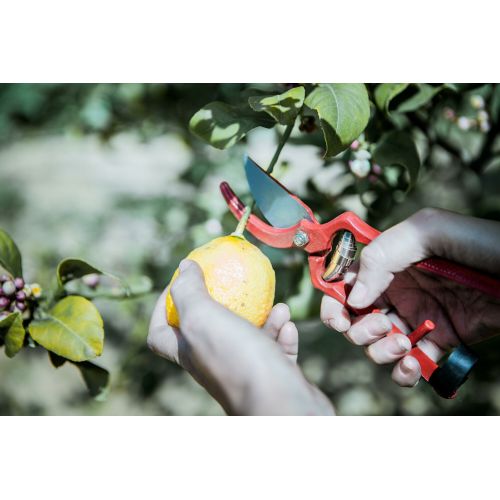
(276,203)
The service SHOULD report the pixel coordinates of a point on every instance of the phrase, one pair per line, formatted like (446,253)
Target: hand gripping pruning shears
(331,248)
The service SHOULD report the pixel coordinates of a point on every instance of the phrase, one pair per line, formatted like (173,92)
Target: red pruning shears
(331,249)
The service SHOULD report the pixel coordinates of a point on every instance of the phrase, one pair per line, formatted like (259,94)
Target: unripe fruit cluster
(480,121)
(16,295)
(362,165)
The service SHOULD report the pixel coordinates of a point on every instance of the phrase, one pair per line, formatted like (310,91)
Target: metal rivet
(300,239)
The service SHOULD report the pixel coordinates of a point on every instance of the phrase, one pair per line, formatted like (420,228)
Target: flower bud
(9,288)
(483,116)
(360,168)
(449,114)
(464,123)
(362,154)
(36,290)
(376,169)
(477,101)
(27,291)
(19,282)
(4,278)
(20,295)
(355,145)
(20,306)
(484,126)
(91,280)
(4,302)
(3,315)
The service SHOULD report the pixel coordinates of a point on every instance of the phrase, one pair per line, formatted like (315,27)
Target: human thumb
(189,285)
(392,251)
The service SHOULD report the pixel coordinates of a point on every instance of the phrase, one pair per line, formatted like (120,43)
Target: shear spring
(342,257)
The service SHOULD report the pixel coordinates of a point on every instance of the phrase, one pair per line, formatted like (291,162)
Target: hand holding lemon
(248,370)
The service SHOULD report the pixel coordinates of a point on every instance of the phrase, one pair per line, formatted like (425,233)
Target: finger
(334,314)
(163,339)
(391,252)
(278,316)
(369,328)
(407,372)
(288,340)
(189,286)
(389,349)
(159,316)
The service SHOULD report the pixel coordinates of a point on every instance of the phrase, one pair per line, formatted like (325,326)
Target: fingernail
(357,296)
(339,324)
(184,264)
(386,323)
(404,344)
(408,365)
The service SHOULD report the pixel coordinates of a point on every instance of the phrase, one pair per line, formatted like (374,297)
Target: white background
(257,458)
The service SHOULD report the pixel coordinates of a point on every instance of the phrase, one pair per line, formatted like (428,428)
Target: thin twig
(281,144)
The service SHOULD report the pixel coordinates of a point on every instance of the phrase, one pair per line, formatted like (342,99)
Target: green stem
(238,232)
(281,144)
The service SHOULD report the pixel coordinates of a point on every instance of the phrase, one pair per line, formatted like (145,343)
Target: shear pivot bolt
(300,239)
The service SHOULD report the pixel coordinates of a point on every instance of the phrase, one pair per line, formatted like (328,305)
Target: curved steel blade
(277,205)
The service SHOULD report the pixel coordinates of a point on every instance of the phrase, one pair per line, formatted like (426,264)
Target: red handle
(427,366)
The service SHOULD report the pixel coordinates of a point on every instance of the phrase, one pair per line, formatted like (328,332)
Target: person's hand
(248,370)
(409,296)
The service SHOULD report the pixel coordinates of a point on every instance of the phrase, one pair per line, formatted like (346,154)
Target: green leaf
(13,333)
(398,148)
(386,92)
(72,329)
(343,110)
(71,269)
(284,108)
(10,257)
(222,125)
(424,94)
(416,95)
(96,379)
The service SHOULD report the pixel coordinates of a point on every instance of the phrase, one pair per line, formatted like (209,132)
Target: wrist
(430,226)
(460,238)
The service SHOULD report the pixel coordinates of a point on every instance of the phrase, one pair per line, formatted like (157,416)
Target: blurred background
(110,173)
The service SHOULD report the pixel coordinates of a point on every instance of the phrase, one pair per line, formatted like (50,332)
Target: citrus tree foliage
(375,129)
(63,320)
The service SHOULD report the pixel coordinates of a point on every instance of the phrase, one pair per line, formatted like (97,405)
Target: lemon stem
(242,224)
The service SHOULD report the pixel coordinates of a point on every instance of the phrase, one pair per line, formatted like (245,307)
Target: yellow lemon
(237,274)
